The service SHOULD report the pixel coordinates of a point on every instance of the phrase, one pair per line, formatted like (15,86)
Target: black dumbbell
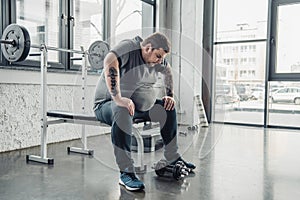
(177,171)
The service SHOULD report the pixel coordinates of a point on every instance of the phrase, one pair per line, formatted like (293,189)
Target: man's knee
(122,119)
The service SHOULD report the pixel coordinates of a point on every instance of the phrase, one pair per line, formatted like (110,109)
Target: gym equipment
(177,171)
(97,52)
(201,114)
(67,117)
(150,138)
(16,44)
(192,128)
(183,133)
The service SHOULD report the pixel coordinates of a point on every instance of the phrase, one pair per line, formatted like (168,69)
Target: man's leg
(168,126)
(121,122)
(121,127)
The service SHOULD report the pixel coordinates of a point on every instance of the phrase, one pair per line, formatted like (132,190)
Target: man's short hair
(158,40)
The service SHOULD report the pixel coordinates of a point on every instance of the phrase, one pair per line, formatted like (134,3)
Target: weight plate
(20,50)
(97,52)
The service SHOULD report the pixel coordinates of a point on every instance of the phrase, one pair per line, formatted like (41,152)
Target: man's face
(155,56)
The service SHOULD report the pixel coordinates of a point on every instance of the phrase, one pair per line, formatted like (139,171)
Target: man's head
(155,48)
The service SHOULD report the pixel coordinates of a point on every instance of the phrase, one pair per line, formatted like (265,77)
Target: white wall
(182,22)
(20,110)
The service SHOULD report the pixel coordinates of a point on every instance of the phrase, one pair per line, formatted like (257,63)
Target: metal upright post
(140,168)
(83,87)
(44,64)
(84,149)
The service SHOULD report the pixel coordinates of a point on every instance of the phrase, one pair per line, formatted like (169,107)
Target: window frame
(273,75)
(8,14)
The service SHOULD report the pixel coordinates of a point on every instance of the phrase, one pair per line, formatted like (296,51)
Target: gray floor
(233,162)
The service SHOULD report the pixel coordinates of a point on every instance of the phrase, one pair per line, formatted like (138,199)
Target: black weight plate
(27,44)
(19,51)
(97,52)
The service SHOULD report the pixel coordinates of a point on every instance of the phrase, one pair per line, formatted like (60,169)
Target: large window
(288,40)
(284,59)
(240,61)
(284,85)
(256,65)
(87,24)
(77,23)
(42,24)
(130,18)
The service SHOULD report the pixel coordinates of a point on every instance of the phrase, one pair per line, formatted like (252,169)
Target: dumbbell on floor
(177,171)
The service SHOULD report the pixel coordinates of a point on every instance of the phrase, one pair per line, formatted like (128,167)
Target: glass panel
(284,104)
(88,22)
(41,19)
(126,19)
(239,82)
(88,25)
(238,92)
(240,20)
(288,40)
(147,19)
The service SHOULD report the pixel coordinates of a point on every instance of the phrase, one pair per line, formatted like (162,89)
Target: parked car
(243,91)
(257,93)
(287,94)
(226,93)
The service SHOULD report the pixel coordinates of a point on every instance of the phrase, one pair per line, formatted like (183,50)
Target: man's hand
(125,102)
(169,103)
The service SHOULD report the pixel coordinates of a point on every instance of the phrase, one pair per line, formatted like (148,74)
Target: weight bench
(84,119)
(58,117)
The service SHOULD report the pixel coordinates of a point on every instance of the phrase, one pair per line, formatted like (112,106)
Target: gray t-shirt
(136,77)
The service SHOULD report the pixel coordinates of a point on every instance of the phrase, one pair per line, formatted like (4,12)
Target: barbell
(15,46)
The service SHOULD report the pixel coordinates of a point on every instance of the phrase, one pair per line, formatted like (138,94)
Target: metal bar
(76,58)
(79,121)
(80,150)
(58,121)
(44,63)
(57,49)
(49,161)
(43,157)
(140,146)
(35,54)
(83,87)
(12,42)
(240,41)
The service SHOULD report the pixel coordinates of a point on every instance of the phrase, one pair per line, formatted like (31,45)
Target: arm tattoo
(112,74)
(169,81)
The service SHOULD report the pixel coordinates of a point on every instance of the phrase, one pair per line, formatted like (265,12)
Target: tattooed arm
(169,98)
(169,81)
(112,79)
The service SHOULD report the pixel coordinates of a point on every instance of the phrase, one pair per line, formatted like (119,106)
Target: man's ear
(148,47)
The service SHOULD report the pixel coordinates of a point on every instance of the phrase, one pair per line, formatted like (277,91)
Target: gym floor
(233,162)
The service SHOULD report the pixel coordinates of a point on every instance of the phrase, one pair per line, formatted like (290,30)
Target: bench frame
(68,117)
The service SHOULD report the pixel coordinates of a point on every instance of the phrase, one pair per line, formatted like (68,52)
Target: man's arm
(112,79)
(168,79)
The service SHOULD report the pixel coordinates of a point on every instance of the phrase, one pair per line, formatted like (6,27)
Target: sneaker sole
(130,188)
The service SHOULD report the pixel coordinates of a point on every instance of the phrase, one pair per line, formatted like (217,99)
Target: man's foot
(187,164)
(130,181)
